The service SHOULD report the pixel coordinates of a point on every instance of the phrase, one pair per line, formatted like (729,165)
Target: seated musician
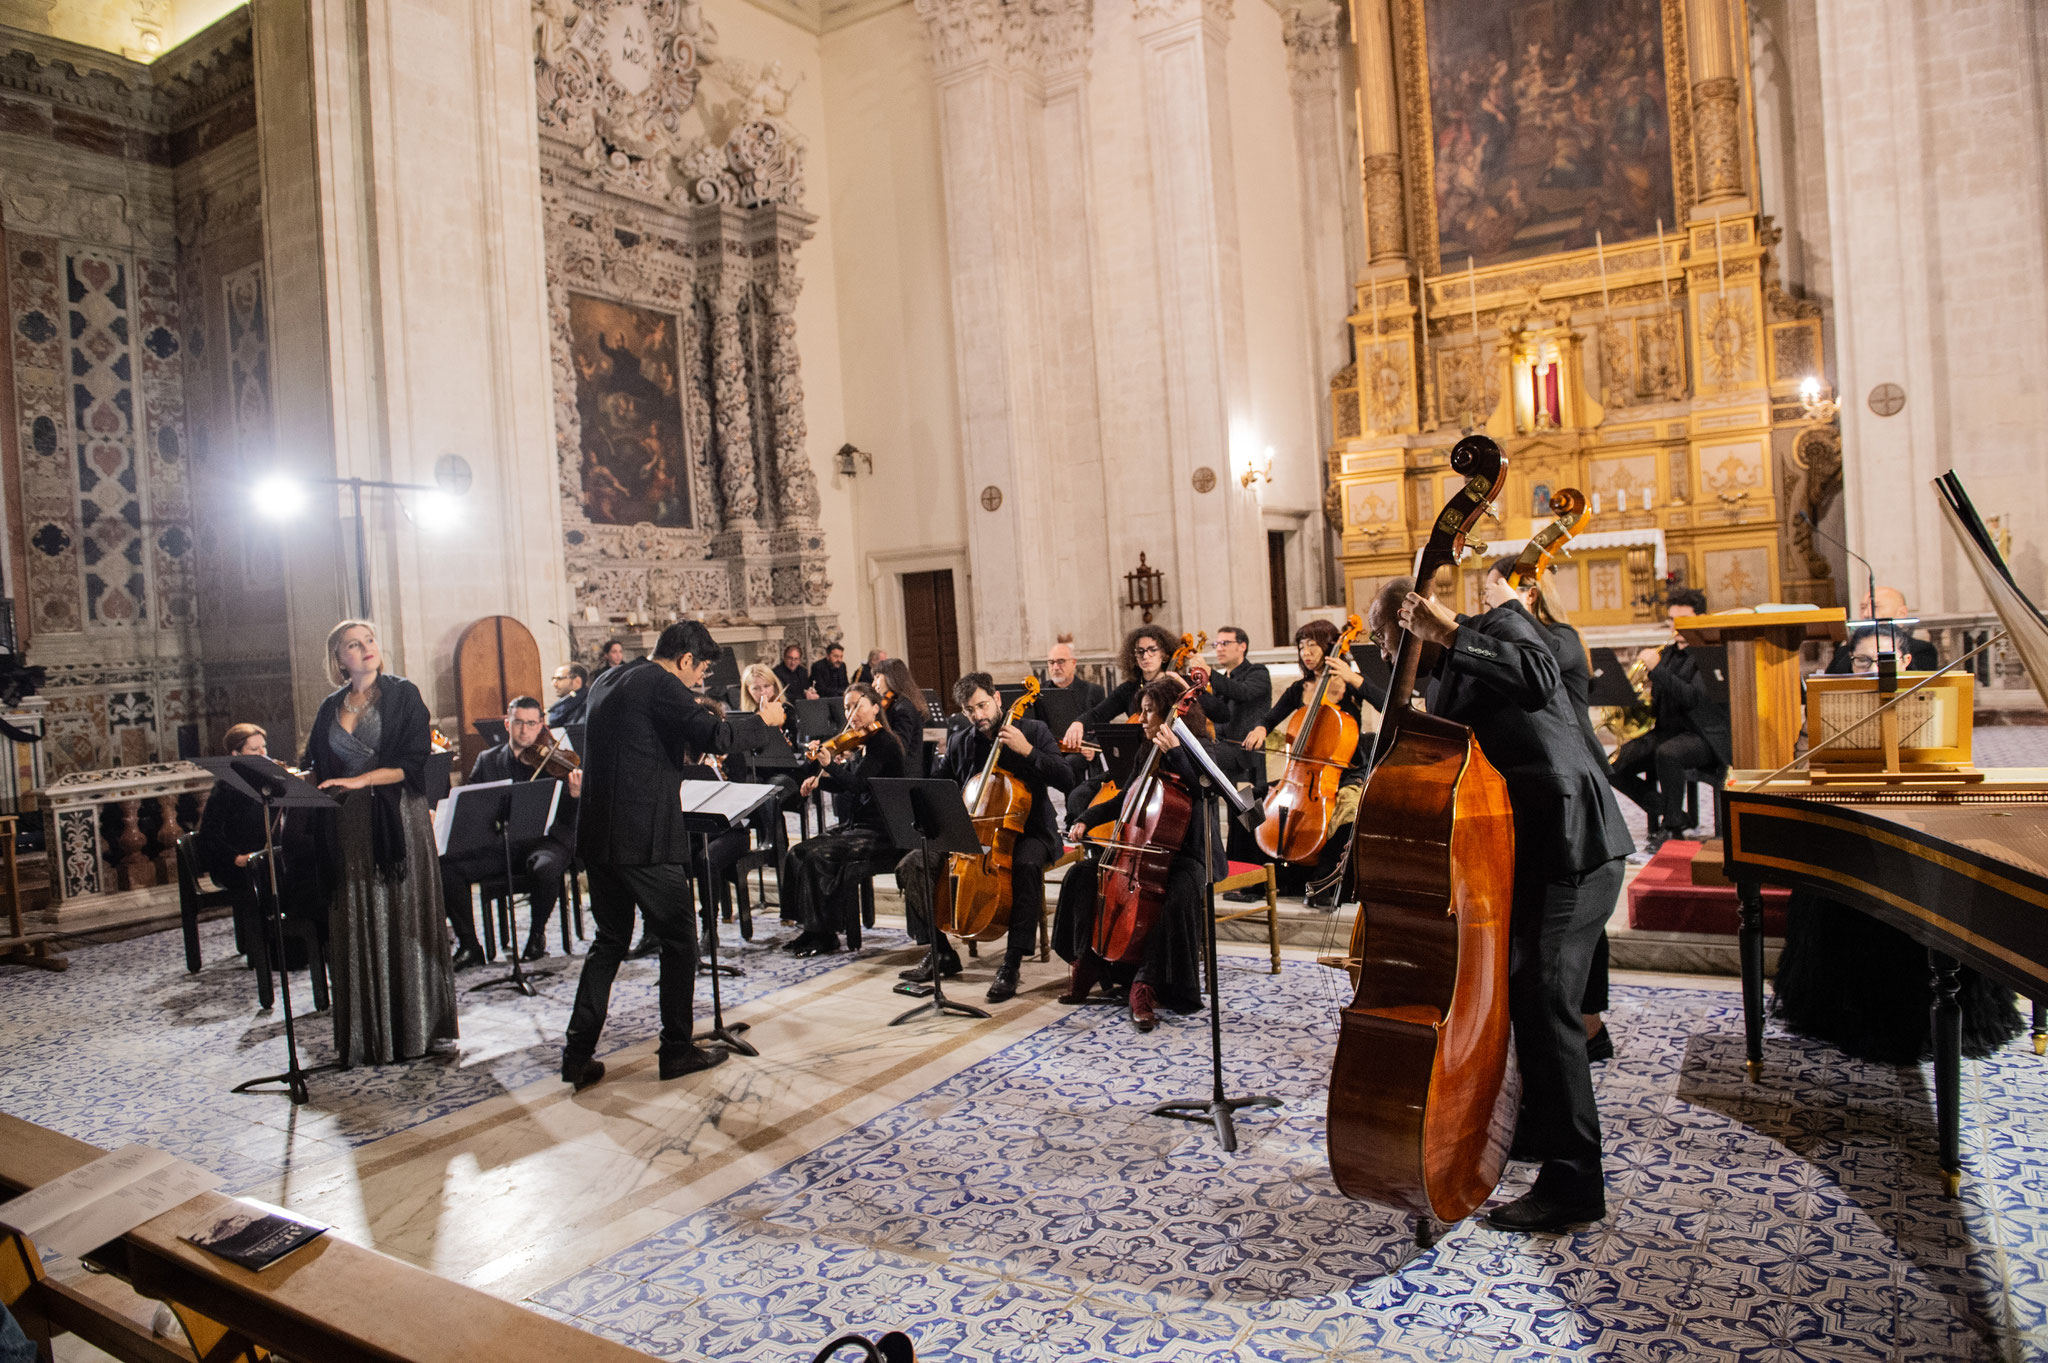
(1168,975)
(543,860)
(1498,676)
(792,676)
(231,830)
(1146,651)
(822,876)
(1889,603)
(1240,692)
(1688,733)
(1032,756)
(828,674)
(1062,673)
(1575,674)
(1312,643)
(570,683)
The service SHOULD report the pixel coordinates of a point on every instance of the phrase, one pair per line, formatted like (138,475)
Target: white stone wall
(1935,176)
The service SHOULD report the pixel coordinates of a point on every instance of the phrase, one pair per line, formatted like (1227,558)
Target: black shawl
(406,742)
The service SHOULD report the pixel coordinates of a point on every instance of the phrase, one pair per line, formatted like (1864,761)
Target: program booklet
(105,1199)
(255,1235)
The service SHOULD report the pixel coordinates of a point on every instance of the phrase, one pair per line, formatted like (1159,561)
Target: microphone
(1889,634)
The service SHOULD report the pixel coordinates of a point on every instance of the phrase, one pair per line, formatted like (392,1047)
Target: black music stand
(502,813)
(814,718)
(711,807)
(1609,686)
(1217,1108)
(271,786)
(925,817)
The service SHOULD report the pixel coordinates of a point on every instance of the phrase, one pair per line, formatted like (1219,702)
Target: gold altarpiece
(1657,367)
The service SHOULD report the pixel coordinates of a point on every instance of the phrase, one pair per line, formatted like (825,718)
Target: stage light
(278,497)
(433,511)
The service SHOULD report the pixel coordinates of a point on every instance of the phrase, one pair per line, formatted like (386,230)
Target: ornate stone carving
(1385,214)
(1717,151)
(962,33)
(1314,35)
(1156,14)
(732,416)
(615,78)
(1047,38)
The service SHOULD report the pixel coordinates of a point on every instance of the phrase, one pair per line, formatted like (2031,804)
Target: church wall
(1936,192)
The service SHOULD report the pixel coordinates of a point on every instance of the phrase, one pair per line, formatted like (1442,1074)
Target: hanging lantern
(1144,589)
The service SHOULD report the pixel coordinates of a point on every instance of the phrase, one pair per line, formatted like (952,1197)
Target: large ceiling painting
(1550,125)
(630,403)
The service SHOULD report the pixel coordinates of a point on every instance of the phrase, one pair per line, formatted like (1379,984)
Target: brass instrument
(1639,679)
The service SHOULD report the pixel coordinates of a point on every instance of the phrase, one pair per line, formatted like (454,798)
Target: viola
(979,906)
(549,758)
(1191,647)
(1131,890)
(1322,738)
(1569,514)
(1422,1096)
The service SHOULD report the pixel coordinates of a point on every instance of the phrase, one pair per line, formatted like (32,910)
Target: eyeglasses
(1149,651)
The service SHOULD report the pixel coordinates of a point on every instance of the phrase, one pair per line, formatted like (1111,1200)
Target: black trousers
(662,894)
(1172,960)
(821,880)
(1654,771)
(1555,928)
(917,875)
(542,861)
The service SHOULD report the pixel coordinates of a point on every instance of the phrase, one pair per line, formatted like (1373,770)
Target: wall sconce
(849,455)
(1255,472)
(1818,400)
(1144,589)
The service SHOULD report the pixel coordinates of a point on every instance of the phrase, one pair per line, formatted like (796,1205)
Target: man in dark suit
(792,676)
(643,729)
(571,682)
(1498,676)
(828,674)
(1238,697)
(1688,733)
(543,860)
(1067,695)
(1032,755)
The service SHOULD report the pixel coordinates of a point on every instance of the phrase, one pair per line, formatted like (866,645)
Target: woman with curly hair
(1146,652)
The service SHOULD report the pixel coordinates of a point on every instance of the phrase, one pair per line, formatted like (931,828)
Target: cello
(1191,646)
(1156,815)
(1423,1091)
(1322,738)
(978,908)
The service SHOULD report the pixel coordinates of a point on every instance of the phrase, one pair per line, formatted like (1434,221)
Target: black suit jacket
(569,709)
(828,679)
(1237,700)
(1681,705)
(231,825)
(793,680)
(1500,679)
(1575,674)
(642,728)
(1046,768)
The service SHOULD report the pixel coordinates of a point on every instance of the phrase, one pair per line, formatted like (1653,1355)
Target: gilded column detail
(1379,133)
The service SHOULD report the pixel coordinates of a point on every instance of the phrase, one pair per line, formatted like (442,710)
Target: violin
(1191,647)
(846,740)
(980,903)
(1322,738)
(1570,515)
(1422,1095)
(549,758)
(1157,814)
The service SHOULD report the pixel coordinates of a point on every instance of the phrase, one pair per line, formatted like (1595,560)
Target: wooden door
(1276,585)
(495,660)
(931,633)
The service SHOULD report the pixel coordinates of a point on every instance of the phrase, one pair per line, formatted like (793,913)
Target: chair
(1244,876)
(498,914)
(1694,780)
(306,930)
(192,901)
(875,866)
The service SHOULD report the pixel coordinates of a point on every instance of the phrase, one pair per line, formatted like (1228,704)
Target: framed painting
(629,402)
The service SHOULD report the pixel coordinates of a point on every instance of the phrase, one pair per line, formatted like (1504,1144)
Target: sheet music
(730,800)
(105,1199)
(444,813)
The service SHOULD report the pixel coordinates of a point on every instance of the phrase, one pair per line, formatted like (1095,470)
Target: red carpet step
(1663,898)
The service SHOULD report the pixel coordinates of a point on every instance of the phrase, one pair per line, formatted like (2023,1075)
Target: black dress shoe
(1004,987)
(1600,1046)
(1538,1210)
(469,956)
(1245,896)
(921,973)
(648,946)
(806,943)
(582,1073)
(824,944)
(535,949)
(696,1058)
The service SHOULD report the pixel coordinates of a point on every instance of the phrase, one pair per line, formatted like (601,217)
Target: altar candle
(1621,500)
(1371,362)
(1720,274)
(1596,503)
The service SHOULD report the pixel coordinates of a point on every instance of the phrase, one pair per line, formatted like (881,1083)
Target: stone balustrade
(113,835)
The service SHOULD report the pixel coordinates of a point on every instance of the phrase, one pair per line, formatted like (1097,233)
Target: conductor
(643,728)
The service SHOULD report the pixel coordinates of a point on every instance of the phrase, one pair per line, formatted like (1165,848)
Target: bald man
(1890,604)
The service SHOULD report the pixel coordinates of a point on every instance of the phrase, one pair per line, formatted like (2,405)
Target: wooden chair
(192,901)
(1245,876)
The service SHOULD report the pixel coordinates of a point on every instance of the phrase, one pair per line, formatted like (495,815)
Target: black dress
(823,873)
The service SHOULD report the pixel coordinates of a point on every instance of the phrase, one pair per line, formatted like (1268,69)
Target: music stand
(1374,671)
(1056,707)
(814,718)
(271,786)
(1609,686)
(1217,1108)
(1711,661)
(929,816)
(711,807)
(501,813)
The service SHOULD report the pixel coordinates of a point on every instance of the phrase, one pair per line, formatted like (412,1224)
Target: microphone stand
(1890,634)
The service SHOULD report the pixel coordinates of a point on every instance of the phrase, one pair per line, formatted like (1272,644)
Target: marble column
(732,410)
(1386,214)
(1716,104)
(1314,37)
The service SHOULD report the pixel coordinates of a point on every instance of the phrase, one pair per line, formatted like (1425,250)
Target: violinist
(1498,676)
(822,876)
(1313,643)
(1146,651)
(1169,973)
(1032,756)
(543,860)
(1239,692)
(903,708)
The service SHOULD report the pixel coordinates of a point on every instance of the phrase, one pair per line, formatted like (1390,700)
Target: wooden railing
(330,1301)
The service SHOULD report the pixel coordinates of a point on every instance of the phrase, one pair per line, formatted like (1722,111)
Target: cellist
(1032,755)
(1146,652)
(1313,643)
(1169,974)
(1498,676)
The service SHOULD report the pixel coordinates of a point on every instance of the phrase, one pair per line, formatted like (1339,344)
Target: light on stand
(278,497)
(434,511)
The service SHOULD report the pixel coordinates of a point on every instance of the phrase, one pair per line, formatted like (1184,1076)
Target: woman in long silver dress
(393,981)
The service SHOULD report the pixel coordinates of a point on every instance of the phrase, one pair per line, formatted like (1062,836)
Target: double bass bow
(1322,738)
(979,906)
(1131,891)
(1422,1089)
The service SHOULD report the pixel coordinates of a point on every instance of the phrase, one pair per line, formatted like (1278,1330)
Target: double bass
(1322,738)
(1422,1090)
(979,906)
(1131,890)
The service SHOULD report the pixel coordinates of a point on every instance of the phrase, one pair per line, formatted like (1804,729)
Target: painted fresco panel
(1550,125)
(629,400)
